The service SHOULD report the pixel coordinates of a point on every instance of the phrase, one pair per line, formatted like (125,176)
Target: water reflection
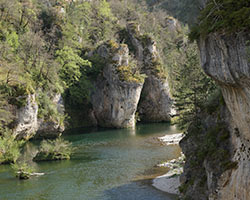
(103,167)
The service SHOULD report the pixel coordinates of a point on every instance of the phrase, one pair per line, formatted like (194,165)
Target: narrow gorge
(123,100)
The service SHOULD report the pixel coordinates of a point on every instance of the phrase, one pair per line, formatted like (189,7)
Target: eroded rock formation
(28,125)
(26,119)
(155,103)
(225,59)
(117,89)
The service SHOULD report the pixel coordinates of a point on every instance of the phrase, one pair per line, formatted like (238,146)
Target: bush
(22,170)
(9,148)
(57,149)
(225,16)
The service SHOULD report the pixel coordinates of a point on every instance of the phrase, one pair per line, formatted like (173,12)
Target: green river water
(107,165)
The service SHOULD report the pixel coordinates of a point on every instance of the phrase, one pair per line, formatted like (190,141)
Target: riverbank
(170,181)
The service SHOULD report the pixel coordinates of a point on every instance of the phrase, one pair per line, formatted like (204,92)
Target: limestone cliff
(117,88)
(26,119)
(208,151)
(52,128)
(155,104)
(225,59)
(28,124)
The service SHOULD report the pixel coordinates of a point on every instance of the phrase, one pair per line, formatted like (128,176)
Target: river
(115,164)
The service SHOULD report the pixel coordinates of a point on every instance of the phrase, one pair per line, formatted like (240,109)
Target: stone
(28,125)
(114,100)
(52,128)
(225,58)
(26,119)
(156,104)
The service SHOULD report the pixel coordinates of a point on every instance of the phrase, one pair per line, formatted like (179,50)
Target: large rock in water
(155,104)
(226,59)
(117,89)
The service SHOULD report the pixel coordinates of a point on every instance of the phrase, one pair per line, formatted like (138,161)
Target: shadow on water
(138,190)
(108,164)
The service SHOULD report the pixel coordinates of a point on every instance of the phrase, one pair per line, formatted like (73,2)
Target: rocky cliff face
(29,125)
(117,89)
(52,128)
(26,119)
(225,58)
(209,153)
(155,103)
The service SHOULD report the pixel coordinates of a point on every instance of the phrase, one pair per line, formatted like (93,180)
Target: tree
(191,88)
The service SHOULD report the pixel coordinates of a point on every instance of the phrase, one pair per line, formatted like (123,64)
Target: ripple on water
(106,166)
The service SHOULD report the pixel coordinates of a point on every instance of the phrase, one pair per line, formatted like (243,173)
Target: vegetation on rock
(191,87)
(222,16)
(58,149)
(9,148)
(22,170)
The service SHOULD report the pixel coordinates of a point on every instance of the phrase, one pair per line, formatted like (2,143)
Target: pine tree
(191,88)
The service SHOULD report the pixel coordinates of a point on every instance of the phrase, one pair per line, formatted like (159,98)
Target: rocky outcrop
(26,119)
(209,153)
(52,128)
(28,125)
(226,60)
(117,89)
(155,103)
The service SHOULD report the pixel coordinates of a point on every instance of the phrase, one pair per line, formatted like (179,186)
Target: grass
(58,149)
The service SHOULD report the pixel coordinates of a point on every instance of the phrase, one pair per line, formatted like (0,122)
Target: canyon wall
(226,59)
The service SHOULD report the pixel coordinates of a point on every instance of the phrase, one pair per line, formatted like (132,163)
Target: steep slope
(117,88)
(225,58)
(155,103)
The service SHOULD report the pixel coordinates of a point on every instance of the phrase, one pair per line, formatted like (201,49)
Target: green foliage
(185,11)
(47,109)
(191,88)
(129,74)
(72,65)
(57,149)
(214,101)
(248,50)
(22,170)
(9,148)
(224,16)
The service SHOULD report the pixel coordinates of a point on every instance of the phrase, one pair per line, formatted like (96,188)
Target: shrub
(57,149)
(9,148)
(224,16)
(22,170)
